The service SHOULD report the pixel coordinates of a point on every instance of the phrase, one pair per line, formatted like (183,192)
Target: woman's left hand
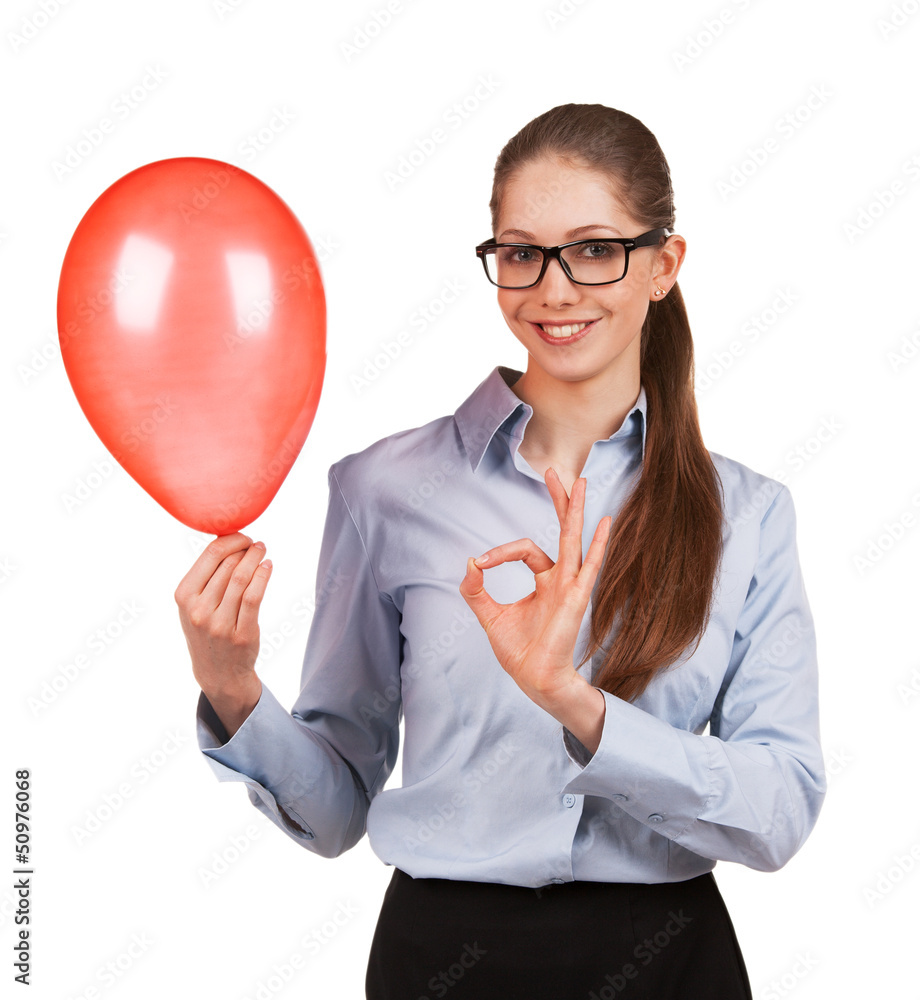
(534,638)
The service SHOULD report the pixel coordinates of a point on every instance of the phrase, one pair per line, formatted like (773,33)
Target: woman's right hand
(219,600)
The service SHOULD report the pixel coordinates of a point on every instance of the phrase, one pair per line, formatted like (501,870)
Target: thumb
(473,591)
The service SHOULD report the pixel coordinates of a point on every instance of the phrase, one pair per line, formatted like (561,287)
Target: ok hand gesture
(534,638)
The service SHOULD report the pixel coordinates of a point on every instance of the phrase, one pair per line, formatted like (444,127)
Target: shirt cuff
(657,773)
(256,754)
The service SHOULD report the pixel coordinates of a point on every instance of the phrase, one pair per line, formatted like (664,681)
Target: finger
(247,623)
(473,591)
(522,550)
(213,593)
(196,579)
(240,578)
(557,491)
(570,535)
(592,564)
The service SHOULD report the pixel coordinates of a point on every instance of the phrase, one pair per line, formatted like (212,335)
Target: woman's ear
(670,257)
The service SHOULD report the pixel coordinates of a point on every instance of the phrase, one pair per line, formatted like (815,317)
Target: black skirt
(570,941)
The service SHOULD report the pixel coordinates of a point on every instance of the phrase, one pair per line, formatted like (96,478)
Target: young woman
(562,807)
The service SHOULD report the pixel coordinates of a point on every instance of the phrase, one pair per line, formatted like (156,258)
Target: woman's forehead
(551,195)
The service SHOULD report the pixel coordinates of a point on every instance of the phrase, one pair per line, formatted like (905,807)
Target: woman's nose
(556,286)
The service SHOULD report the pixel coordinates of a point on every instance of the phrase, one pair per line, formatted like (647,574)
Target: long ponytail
(658,578)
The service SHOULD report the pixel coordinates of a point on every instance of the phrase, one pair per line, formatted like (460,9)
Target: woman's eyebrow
(571,232)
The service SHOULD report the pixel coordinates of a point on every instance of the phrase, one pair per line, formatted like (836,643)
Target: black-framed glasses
(586,262)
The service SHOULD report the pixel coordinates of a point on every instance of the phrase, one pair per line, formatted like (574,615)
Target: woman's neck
(568,417)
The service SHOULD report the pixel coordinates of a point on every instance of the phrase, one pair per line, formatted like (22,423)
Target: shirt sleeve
(323,762)
(750,791)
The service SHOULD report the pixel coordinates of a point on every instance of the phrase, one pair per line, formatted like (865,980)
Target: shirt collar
(492,402)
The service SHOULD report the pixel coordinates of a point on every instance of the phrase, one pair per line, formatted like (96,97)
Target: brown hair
(665,547)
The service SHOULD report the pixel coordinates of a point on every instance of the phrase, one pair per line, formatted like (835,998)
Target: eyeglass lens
(589,262)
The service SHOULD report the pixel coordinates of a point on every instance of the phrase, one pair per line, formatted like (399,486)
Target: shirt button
(655,818)
(617,797)
(569,800)
(557,881)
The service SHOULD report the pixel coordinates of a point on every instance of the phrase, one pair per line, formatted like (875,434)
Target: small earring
(659,292)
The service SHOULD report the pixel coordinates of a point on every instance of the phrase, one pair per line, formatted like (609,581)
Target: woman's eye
(518,255)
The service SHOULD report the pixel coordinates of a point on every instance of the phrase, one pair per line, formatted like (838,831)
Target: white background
(845,356)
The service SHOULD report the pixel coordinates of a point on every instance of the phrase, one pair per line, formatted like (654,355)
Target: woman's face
(548,202)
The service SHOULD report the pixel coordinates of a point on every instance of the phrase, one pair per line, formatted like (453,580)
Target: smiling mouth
(562,330)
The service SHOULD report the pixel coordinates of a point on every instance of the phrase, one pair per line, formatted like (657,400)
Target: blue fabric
(494,789)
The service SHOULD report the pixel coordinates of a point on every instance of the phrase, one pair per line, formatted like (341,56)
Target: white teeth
(563,331)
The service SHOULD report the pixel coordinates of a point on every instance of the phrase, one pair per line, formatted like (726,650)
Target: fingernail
(481,560)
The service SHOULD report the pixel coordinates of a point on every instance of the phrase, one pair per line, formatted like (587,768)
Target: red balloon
(192,323)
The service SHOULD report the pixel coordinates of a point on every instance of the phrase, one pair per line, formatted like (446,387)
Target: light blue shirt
(494,789)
